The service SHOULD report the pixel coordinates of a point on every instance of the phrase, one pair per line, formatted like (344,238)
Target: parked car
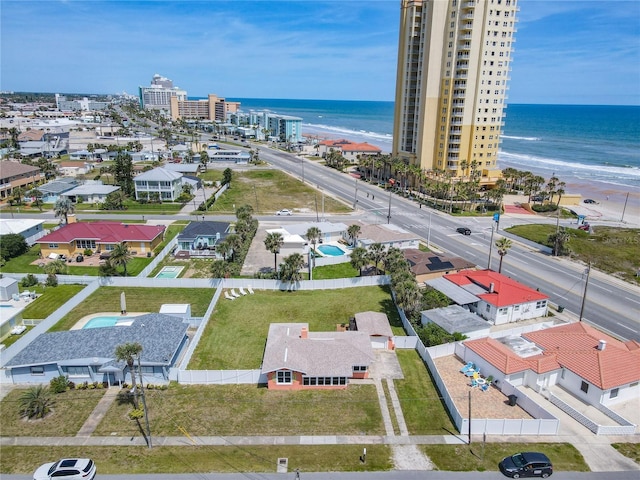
(67,469)
(526,464)
(589,200)
(284,211)
(463,230)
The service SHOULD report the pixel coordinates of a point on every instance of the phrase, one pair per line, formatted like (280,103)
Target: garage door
(378,342)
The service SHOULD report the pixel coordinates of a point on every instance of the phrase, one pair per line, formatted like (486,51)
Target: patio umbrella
(123,303)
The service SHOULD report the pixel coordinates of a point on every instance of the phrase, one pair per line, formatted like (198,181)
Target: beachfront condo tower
(454,59)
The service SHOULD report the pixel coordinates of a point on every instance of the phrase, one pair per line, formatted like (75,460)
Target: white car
(284,211)
(67,469)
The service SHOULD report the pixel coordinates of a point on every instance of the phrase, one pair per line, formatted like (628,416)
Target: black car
(463,230)
(589,200)
(526,464)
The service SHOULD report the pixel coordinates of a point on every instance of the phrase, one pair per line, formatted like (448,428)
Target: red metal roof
(104,232)
(505,290)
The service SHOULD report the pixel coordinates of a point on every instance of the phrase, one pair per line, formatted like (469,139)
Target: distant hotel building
(83,105)
(454,60)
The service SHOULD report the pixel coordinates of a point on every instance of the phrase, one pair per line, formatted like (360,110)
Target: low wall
(220,377)
(624,428)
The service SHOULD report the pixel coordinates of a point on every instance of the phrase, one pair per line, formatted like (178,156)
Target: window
(614,393)
(86,244)
(584,387)
(359,368)
(284,377)
(488,307)
(37,370)
(76,371)
(53,245)
(541,304)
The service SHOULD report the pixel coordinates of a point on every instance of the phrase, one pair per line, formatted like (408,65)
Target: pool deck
(84,320)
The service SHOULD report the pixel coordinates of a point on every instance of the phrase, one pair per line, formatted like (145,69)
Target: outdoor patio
(491,403)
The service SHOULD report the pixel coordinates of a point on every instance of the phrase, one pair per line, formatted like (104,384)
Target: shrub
(59,384)
(136,414)
(29,281)
(52,280)
(36,402)
(71,385)
(88,252)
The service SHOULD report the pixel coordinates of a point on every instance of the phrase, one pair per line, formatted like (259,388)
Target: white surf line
(633,300)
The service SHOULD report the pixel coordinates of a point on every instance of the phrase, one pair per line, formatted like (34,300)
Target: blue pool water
(169,272)
(330,250)
(98,322)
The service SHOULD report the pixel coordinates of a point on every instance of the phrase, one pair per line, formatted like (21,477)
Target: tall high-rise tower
(454,59)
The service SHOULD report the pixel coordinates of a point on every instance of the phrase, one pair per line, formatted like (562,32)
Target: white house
(90,193)
(498,298)
(386,234)
(329,232)
(167,184)
(31,230)
(591,365)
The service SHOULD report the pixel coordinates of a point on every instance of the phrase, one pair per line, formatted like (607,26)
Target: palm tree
(36,402)
(273,242)
(126,353)
(37,194)
(408,296)
(120,256)
(63,208)
(52,269)
(353,231)
(558,240)
(235,242)
(220,269)
(359,258)
(313,235)
(503,245)
(290,269)
(377,254)
(223,248)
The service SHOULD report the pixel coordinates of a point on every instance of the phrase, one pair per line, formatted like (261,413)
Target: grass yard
(250,410)
(139,299)
(630,450)
(267,191)
(236,334)
(609,249)
(203,459)
(50,299)
(424,412)
(479,457)
(70,411)
(341,270)
(134,208)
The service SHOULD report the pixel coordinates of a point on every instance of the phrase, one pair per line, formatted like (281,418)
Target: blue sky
(574,52)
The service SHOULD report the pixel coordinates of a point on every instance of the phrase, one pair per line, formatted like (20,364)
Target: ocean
(584,144)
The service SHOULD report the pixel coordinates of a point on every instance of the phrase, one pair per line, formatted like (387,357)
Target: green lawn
(70,411)
(203,459)
(424,412)
(236,334)
(341,270)
(107,299)
(267,191)
(609,249)
(631,450)
(135,208)
(251,410)
(479,457)
(50,299)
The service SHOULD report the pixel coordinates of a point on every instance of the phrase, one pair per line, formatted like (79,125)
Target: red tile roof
(104,232)
(360,147)
(574,347)
(505,290)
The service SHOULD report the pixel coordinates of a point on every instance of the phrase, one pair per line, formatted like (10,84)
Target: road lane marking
(605,289)
(624,326)
(634,301)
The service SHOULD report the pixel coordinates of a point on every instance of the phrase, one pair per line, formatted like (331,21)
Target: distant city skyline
(566,52)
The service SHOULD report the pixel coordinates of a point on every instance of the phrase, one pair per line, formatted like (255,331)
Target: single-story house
(30,230)
(75,168)
(330,232)
(97,154)
(348,149)
(296,359)
(593,366)
(167,185)
(199,239)
(236,156)
(52,190)
(428,265)
(495,297)
(88,355)
(74,238)
(388,235)
(90,193)
(376,325)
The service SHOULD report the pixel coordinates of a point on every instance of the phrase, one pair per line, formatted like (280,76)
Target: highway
(610,304)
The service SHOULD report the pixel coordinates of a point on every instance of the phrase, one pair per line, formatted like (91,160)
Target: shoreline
(611,197)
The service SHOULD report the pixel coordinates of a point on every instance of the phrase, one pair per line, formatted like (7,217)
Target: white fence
(220,377)
(158,258)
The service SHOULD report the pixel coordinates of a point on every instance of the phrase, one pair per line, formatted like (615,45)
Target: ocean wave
(349,133)
(555,164)
(530,139)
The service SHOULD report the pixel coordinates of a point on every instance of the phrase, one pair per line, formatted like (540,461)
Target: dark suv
(463,230)
(526,464)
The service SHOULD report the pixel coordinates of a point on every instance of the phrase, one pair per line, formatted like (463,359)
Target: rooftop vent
(602,344)
(491,287)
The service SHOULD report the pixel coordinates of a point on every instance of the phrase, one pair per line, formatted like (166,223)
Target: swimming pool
(169,272)
(331,250)
(108,321)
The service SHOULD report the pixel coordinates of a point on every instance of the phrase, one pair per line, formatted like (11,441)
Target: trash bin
(560,308)
(512,400)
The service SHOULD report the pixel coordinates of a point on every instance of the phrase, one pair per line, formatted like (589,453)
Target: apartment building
(454,60)
(15,174)
(211,108)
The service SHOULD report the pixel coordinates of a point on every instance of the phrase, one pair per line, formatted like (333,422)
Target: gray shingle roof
(160,337)
(373,323)
(203,229)
(322,354)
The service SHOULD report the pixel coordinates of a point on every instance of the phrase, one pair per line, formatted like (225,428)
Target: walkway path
(99,412)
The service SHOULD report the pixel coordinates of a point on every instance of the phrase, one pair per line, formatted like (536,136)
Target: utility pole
(490,248)
(144,404)
(429,231)
(584,294)
(389,213)
(355,195)
(469,417)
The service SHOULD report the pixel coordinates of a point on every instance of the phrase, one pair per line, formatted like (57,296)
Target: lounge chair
(484,387)
(250,289)
(467,367)
(474,382)
(242,291)
(234,293)
(226,295)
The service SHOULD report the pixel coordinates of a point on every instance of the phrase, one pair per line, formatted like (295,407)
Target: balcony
(468,5)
